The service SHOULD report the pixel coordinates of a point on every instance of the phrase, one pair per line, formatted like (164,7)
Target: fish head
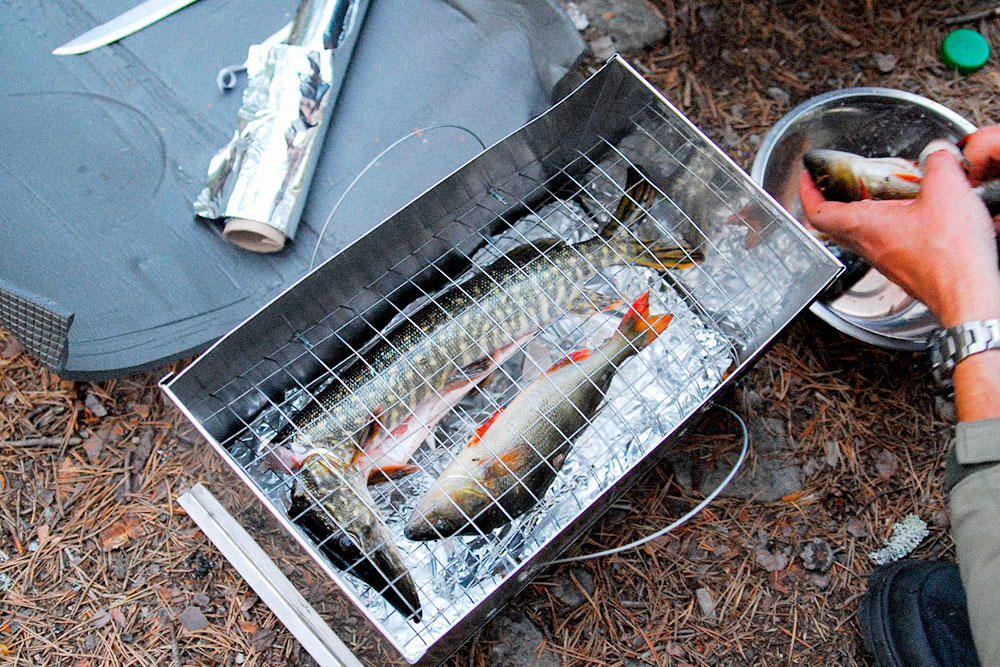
(833,173)
(449,507)
(331,502)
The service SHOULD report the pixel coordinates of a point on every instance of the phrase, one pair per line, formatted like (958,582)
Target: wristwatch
(949,346)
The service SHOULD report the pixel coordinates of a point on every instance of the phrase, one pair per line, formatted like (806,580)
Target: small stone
(95,406)
(885,62)
(517,642)
(706,603)
(731,140)
(709,16)
(12,348)
(811,467)
(886,463)
(239,659)
(771,479)
(576,15)
(585,579)
(567,593)
(100,619)
(201,600)
(93,446)
(603,47)
(769,435)
(683,468)
(832,457)
(773,560)
(632,25)
(856,528)
(264,638)
(193,619)
(820,581)
(779,94)
(751,399)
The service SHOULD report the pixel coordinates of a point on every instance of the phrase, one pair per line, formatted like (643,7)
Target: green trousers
(974,501)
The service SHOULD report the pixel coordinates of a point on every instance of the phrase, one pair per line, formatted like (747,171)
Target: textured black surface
(914,613)
(102,154)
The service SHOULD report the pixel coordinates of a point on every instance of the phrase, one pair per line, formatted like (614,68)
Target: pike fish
(846,177)
(418,369)
(513,458)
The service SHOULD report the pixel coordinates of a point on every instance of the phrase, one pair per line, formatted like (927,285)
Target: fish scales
(515,456)
(457,329)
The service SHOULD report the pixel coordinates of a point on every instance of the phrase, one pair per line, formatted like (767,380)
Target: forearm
(977,377)
(977,387)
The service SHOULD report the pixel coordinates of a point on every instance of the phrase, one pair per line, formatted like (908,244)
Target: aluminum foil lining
(263,173)
(649,397)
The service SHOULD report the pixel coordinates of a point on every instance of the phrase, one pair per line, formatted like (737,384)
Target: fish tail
(659,255)
(638,328)
(636,199)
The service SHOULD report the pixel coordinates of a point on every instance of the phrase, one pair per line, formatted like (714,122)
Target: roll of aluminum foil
(257,184)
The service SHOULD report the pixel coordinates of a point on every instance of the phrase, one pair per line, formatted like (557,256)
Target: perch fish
(514,457)
(846,177)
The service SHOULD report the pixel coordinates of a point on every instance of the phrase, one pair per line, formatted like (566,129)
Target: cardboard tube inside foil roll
(258,182)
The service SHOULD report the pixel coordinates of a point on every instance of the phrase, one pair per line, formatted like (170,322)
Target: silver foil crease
(649,397)
(263,173)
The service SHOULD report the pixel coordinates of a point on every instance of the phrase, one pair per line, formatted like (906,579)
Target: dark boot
(914,615)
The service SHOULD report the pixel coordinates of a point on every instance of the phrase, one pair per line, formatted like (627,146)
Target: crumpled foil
(650,395)
(263,173)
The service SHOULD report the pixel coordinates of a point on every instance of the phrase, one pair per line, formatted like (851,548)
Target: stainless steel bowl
(872,122)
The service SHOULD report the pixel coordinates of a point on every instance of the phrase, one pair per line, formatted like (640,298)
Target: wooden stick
(40,442)
(992,10)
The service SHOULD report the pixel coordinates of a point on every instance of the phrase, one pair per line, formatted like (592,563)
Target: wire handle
(371,163)
(684,519)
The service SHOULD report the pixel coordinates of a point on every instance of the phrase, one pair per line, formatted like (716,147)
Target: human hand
(982,152)
(941,247)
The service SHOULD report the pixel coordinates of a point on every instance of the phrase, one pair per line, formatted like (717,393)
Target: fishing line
(415,133)
(684,519)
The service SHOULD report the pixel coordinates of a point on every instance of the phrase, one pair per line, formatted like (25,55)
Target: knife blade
(122,25)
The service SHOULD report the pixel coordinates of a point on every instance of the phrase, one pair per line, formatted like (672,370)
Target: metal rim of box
(193,387)
(757,173)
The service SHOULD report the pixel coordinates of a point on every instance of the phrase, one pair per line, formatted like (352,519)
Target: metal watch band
(949,346)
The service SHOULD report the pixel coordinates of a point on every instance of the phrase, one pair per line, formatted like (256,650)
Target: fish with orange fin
(846,177)
(416,369)
(513,458)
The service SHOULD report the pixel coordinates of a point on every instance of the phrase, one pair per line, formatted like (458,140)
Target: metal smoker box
(567,175)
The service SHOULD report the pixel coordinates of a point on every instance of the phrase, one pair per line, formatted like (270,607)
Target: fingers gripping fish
(847,177)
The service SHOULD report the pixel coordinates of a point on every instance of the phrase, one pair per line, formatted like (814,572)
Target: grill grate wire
(718,328)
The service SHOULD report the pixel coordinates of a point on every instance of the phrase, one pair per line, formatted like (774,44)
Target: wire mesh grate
(473,322)
(564,216)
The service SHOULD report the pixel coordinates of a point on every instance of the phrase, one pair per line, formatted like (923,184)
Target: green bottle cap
(965,50)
